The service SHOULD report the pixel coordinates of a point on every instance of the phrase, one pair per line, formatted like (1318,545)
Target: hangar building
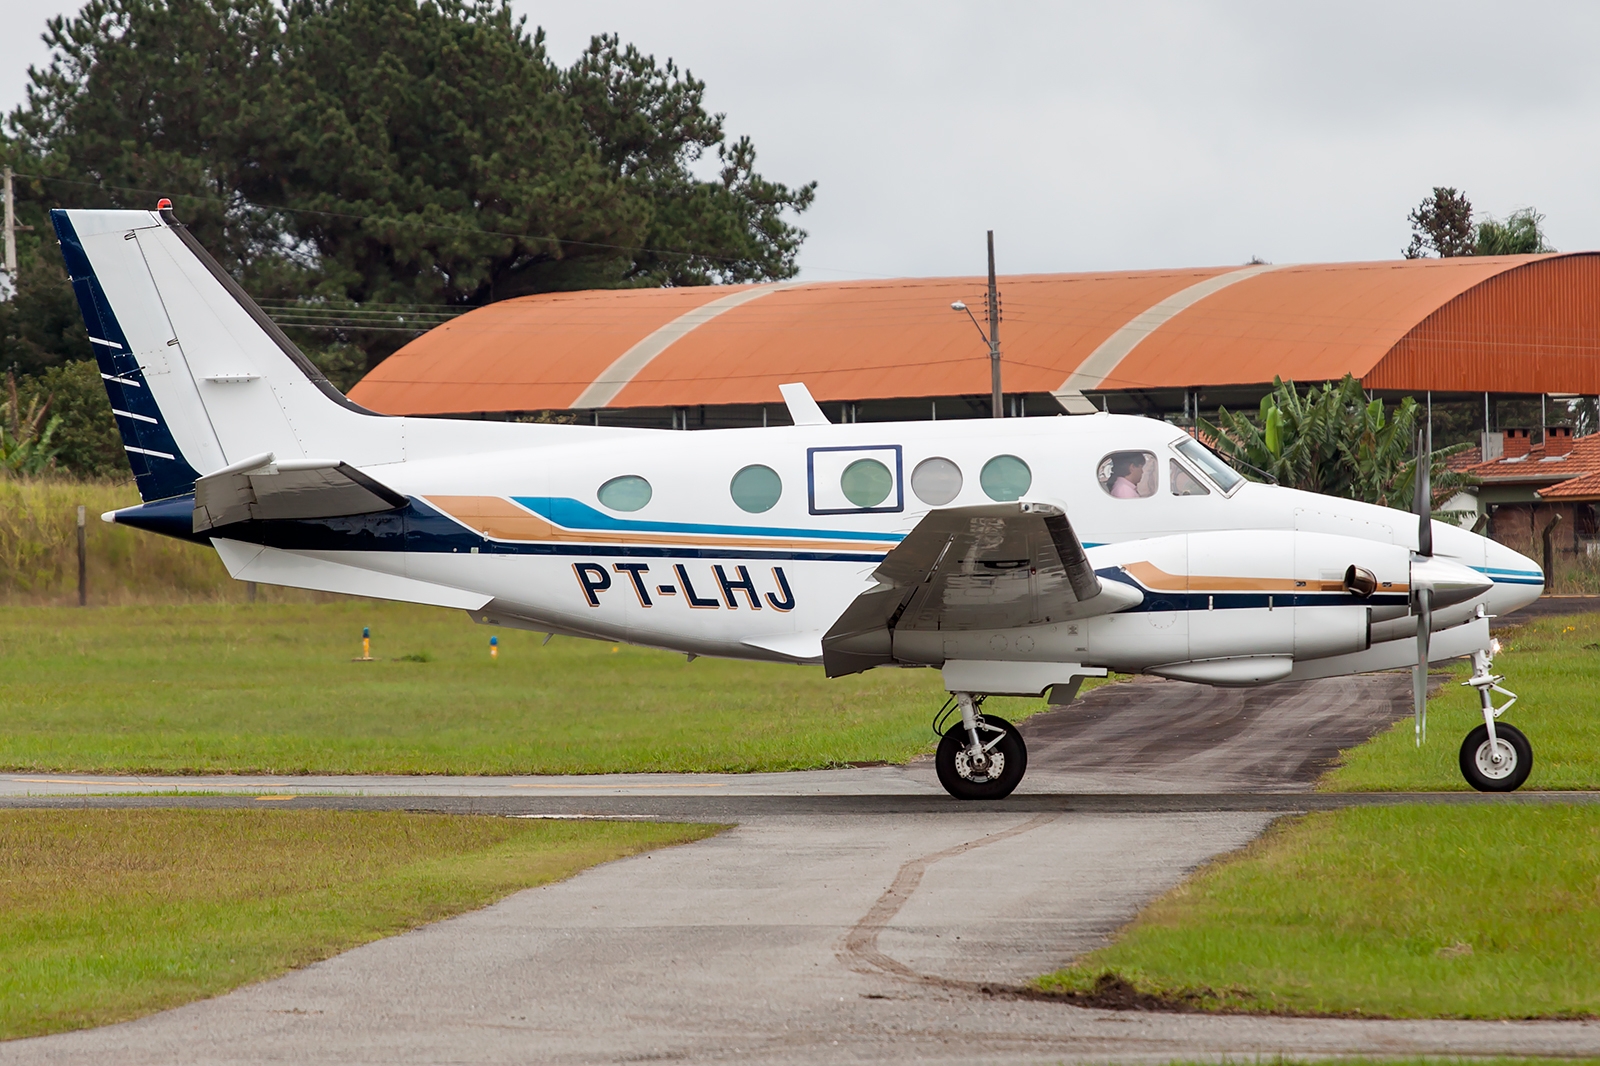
(1158,342)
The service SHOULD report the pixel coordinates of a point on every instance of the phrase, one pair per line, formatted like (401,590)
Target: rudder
(198,375)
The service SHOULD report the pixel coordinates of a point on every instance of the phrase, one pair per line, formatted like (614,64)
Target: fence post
(1550,554)
(83,557)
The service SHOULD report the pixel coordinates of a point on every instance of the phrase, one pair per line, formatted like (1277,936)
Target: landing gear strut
(1494,757)
(983,756)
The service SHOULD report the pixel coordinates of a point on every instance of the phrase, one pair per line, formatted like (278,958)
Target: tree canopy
(1442,225)
(400,154)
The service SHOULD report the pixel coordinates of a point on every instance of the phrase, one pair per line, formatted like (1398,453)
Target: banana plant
(1332,439)
(26,436)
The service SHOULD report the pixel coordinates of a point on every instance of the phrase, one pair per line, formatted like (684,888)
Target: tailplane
(198,376)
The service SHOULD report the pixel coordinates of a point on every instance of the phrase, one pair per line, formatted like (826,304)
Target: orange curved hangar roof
(1504,324)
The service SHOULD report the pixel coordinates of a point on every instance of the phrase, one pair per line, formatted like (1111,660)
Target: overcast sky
(1115,136)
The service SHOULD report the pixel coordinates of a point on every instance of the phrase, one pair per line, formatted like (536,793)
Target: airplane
(1016,556)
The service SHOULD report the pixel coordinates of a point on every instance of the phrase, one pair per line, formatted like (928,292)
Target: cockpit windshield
(1207,460)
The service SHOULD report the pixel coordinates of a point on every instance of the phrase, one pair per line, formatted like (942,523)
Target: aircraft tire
(950,761)
(1480,774)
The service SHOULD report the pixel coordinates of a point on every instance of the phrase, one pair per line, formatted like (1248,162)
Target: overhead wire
(239,202)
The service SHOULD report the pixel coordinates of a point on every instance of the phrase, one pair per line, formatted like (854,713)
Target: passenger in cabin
(1127,470)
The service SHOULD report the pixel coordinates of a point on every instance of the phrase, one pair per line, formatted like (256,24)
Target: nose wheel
(982,757)
(1498,765)
(1495,757)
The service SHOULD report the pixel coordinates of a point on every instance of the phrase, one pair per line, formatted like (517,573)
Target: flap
(995,566)
(261,489)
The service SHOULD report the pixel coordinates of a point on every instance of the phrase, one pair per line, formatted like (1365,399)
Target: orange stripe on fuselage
(1158,580)
(500,519)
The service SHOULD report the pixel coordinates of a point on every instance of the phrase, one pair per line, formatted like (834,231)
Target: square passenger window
(855,480)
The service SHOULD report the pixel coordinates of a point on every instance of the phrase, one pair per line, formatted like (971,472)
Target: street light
(991,338)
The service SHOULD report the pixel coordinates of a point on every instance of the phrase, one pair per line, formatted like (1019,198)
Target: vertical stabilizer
(161,466)
(198,376)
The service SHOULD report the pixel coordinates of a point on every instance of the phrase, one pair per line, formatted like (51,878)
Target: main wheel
(967,779)
(1486,774)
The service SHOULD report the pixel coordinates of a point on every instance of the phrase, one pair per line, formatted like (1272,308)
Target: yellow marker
(366,645)
(613,649)
(494,648)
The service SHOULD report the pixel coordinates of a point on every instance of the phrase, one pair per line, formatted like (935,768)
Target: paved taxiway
(856,915)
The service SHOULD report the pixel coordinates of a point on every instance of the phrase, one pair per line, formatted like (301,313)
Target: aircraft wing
(262,488)
(995,566)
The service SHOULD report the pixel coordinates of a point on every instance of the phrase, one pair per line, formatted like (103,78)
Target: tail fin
(198,376)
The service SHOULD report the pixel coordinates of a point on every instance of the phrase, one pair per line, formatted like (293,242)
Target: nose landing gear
(983,757)
(1494,757)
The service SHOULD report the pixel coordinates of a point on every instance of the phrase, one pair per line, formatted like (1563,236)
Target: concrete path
(786,940)
(840,921)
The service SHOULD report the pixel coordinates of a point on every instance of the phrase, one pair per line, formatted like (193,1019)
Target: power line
(434,226)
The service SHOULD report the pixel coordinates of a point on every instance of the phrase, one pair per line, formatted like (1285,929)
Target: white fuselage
(673,573)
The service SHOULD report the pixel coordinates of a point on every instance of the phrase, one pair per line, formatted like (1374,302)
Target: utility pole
(998,401)
(11,229)
(991,338)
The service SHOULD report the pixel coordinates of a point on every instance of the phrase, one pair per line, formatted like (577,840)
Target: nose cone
(1451,582)
(1518,580)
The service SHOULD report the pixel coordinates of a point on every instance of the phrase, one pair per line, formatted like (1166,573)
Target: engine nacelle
(1236,600)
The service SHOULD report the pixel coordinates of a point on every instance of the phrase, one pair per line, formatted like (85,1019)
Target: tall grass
(39,550)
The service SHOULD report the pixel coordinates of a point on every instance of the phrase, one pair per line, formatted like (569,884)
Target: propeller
(1423,501)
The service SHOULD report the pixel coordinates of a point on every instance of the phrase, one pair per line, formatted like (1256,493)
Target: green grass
(39,551)
(1364,1060)
(1553,664)
(270,688)
(107,915)
(1409,911)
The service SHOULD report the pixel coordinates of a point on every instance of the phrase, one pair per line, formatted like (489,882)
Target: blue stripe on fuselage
(576,515)
(417,527)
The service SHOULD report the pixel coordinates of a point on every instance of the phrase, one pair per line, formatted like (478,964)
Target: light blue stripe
(1502,576)
(573,514)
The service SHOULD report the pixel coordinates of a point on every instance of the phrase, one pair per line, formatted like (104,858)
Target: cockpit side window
(1185,483)
(1129,475)
(1225,477)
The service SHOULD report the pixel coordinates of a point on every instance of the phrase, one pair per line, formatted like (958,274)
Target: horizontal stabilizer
(260,489)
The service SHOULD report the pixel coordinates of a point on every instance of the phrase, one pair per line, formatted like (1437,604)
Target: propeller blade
(1419,673)
(1423,497)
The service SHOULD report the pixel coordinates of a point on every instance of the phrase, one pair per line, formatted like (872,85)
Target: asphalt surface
(857,915)
(1548,606)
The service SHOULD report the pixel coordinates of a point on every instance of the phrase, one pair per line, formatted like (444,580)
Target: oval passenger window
(936,481)
(1129,475)
(756,488)
(626,493)
(1005,478)
(866,482)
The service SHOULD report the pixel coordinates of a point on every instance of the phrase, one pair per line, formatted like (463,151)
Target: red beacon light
(163,204)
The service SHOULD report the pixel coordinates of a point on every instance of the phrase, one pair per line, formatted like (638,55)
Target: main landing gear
(982,756)
(1494,757)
